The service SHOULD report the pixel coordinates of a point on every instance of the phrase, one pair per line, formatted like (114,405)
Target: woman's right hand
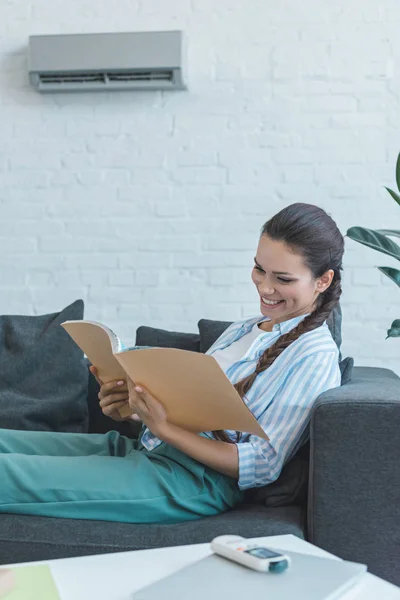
(113,396)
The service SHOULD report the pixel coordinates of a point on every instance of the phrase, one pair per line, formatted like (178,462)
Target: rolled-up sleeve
(286,418)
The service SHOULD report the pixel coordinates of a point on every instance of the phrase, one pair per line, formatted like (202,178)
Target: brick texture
(148,205)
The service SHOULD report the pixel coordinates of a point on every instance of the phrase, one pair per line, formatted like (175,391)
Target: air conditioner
(106,61)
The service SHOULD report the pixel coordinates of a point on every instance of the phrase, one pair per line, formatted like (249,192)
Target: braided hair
(311,232)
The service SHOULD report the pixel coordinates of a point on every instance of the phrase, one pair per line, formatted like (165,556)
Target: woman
(279,361)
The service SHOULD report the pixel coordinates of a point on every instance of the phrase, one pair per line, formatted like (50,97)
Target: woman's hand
(220,456)
(148,409)
(113,396)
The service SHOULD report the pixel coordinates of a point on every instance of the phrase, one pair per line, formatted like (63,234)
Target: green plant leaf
(394,331)
(389,232)
(375,240)
(394,195)
(393,274)
(398,172)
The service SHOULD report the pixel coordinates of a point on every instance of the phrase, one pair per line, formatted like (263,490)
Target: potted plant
(379,239)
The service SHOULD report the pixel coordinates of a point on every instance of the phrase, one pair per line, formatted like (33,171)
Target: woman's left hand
(149,410)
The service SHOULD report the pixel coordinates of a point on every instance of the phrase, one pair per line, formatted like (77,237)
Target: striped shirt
(281,398)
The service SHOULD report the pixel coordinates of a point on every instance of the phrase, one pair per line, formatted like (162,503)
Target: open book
(192,387)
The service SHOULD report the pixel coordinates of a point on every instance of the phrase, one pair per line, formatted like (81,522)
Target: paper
(32,583)
(192,387)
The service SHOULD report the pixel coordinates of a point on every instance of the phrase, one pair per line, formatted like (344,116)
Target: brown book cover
(192,387)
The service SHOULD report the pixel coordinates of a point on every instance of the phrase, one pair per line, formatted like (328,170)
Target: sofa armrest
(354,487)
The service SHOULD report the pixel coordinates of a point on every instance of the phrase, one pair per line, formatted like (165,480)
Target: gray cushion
(210,331)
(23,538)
(334,323)
(43,377)
(288,490)
(346,369)
(150,336)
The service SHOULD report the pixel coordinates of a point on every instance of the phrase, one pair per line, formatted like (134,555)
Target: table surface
(117,576)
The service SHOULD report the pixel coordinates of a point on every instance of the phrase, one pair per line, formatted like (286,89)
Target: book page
(97,342)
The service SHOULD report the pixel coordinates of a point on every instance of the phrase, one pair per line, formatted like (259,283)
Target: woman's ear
(325,281)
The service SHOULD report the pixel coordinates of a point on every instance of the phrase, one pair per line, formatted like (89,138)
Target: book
(31,582)
(7,582)
(192,387)
(308,577)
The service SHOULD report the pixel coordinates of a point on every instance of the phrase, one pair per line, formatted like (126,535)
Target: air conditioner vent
(106,78)
(61,78)
(141,76)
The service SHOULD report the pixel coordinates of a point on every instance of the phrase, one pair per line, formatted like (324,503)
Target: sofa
(341,491)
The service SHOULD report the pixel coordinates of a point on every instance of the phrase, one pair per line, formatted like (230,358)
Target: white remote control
(250,554)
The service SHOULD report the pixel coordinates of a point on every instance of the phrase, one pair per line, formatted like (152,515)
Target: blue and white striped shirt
(281,398)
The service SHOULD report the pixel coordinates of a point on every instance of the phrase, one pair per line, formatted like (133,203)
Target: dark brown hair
(310,232)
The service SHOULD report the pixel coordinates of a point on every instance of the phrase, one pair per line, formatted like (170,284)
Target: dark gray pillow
(210,331)
(150,336)
(334,323)
(346,368)
(43,376)
(290,488)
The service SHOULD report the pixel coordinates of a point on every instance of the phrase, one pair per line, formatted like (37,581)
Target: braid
(327,302)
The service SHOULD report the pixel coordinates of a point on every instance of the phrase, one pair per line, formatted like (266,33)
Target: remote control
(250,554)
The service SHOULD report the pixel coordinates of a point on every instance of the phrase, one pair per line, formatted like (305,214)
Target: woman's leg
(49,443)
(128,485)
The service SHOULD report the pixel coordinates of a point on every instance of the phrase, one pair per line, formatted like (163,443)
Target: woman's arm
(220,456)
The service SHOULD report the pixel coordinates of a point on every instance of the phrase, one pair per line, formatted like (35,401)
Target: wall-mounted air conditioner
(106,61)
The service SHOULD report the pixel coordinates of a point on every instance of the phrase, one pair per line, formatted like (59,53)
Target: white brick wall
(149,205)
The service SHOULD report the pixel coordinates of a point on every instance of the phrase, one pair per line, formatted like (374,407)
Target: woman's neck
(266,325)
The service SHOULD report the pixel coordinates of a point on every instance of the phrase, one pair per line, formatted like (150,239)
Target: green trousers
(106,477)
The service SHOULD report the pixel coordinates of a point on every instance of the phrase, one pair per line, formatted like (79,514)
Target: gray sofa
(341,491)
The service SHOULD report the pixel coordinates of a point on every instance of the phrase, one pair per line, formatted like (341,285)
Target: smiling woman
(279,361)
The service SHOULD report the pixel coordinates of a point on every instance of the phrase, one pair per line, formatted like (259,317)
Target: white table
(118,576)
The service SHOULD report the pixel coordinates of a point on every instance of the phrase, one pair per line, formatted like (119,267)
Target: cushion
(288,490)
(43,376)
(334,323)
(346,368)
(210,331)
(150,336)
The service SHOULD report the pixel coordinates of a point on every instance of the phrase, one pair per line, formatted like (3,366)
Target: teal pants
(106,477)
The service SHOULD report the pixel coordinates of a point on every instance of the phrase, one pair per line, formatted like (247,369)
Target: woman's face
(285,284)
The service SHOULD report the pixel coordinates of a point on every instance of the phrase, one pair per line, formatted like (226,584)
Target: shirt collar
(287,326)
(282,328)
